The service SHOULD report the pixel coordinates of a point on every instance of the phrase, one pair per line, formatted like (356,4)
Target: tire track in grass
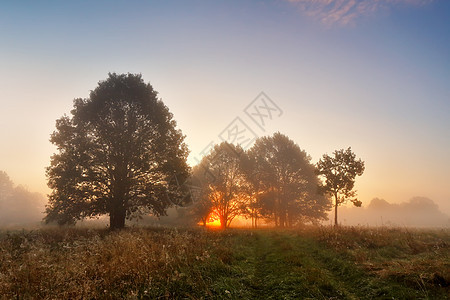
(275,269)
(312,279)
(286,265)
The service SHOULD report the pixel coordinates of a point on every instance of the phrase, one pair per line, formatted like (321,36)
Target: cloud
(347,12)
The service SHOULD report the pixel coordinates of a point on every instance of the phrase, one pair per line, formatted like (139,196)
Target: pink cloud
(344,12)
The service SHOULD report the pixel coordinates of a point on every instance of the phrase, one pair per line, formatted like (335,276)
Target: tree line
(120,154)
(273,181)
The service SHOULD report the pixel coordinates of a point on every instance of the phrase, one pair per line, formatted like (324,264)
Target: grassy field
(151,263)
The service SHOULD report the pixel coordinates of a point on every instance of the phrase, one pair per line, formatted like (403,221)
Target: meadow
(195,263)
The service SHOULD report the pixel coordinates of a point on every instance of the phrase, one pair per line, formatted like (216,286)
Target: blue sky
(373,75)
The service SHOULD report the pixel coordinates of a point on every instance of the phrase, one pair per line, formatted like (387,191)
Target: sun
(213,223)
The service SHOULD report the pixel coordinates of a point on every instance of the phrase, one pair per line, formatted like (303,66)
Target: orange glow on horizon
(213,220)
(238,222)
(213,223)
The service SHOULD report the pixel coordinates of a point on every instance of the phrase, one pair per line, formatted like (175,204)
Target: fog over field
(201,149)
(328,74)
(417,212)
(20,207)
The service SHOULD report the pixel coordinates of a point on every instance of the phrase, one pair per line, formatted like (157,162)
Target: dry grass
(74,263)
(156,263)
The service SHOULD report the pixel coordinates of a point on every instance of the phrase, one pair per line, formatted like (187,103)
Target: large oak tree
(119,153)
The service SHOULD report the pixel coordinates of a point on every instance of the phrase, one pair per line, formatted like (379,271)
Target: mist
(18,206)
(417,212)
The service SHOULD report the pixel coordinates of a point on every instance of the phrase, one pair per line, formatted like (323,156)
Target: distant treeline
(18,206)
(417,212)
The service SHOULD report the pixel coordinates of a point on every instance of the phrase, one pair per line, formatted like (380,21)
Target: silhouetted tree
(117,154)
(224,177)
(252,188)
(201,207)
(339,172)
(286,181)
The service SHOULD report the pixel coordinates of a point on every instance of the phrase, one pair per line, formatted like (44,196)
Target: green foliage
(339,172)
(117,155)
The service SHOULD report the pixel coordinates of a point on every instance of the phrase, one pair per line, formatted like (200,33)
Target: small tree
(201,210)
(339,172)
(201,206)
(117,154)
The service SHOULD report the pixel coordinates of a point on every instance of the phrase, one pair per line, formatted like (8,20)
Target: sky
(373,75)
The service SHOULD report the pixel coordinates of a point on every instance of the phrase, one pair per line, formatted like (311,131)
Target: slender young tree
(117,154)
(339,172)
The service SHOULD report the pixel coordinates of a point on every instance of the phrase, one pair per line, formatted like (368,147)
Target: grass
(152,263)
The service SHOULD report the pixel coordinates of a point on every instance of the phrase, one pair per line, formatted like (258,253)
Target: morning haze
(372,77)
(279,149)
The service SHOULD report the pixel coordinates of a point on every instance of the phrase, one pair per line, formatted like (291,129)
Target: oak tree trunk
(117,218)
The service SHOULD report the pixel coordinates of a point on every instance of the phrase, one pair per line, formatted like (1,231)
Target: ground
(149,263)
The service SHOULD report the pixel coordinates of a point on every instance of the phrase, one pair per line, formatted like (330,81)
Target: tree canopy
(274,180)
(201,206)
(284,182)
(222,177)
(117,154)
